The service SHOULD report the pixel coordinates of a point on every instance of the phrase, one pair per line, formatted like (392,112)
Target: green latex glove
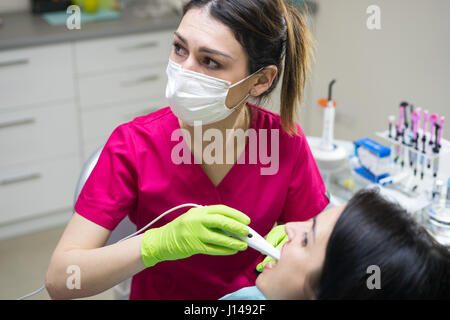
(199,230)
(276,237)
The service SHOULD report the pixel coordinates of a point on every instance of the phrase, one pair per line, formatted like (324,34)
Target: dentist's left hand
(199,230)
(276,237)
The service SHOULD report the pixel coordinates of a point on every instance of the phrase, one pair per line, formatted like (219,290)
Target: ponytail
(297,63)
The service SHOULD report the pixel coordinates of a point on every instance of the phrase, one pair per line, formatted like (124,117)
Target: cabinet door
(144,83)
(123,52)
(38,188)
(33,134)
(35,76)
(99,123)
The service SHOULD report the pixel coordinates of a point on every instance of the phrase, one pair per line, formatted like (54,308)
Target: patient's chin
(260,283)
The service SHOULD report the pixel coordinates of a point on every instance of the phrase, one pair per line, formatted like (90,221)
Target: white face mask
(194,96)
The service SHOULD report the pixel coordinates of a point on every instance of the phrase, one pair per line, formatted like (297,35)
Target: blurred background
(62,92)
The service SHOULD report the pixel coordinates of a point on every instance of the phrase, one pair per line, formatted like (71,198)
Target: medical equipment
(374,159)
(439,222)
(391,123)
(448,193)
(257,242)
(254,240)
(329,156)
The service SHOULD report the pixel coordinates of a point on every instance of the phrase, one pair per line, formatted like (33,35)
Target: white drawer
(147,83)
(40,188)
(38,133)
(33,76)
(123,52)
(99,123)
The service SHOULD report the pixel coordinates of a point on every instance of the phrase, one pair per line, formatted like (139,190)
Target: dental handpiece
(257,242)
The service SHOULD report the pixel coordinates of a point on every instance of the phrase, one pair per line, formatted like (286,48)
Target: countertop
(23,29)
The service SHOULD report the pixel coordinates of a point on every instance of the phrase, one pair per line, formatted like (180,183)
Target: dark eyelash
(177,46)
(215,62)
(305,239)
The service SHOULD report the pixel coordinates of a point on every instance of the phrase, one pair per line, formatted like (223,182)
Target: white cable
(127,237)
(159,217)
(32,293)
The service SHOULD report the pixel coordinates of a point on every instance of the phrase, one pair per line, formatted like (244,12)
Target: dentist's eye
(179,50)
(210,63)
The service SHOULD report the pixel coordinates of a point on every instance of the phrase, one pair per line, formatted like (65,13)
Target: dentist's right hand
(199,230)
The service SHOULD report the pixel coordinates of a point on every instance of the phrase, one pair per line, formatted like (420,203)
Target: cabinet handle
(135,82)
(20,178)
(15,62)
(17,122)
(139,46)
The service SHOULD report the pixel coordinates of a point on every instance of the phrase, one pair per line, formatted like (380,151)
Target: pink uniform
(135,176)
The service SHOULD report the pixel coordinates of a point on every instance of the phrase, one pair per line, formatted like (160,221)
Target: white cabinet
(123,52)
(144,83)
(29,77)
(119,79)
(58,104)
(38,133)
(37,188)
(39,136)
(98,123)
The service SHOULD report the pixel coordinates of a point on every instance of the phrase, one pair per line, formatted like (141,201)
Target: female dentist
(223,53)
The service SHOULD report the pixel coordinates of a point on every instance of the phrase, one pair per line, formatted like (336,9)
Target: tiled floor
(24,261)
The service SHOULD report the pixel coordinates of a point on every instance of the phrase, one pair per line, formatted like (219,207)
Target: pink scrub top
(135,176)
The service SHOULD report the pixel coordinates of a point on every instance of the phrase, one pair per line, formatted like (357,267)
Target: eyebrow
(204,49)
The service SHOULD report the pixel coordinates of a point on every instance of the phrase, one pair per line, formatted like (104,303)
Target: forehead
(330,215)
(200,29)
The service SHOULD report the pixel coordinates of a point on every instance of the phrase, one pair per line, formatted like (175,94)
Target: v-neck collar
(196,167)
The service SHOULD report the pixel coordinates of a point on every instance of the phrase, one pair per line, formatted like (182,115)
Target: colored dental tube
(424,142)
(401,130)
(437,145)
(433,119)
(397,146)
(415,117)
(391,123)
(439,136)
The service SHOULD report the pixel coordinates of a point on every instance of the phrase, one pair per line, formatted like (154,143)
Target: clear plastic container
(437,221)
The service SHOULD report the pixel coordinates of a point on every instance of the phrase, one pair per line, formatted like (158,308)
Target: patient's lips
(270,265)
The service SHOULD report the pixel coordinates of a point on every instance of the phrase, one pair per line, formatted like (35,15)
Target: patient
(328,258)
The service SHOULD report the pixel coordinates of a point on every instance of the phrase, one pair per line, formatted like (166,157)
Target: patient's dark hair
(375,231)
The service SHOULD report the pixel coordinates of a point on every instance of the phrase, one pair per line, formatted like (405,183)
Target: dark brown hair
(269,31)
(374,231)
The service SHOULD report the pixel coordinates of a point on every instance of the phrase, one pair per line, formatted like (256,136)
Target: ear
(263,80)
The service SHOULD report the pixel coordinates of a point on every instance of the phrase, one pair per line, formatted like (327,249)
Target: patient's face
(296,274)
